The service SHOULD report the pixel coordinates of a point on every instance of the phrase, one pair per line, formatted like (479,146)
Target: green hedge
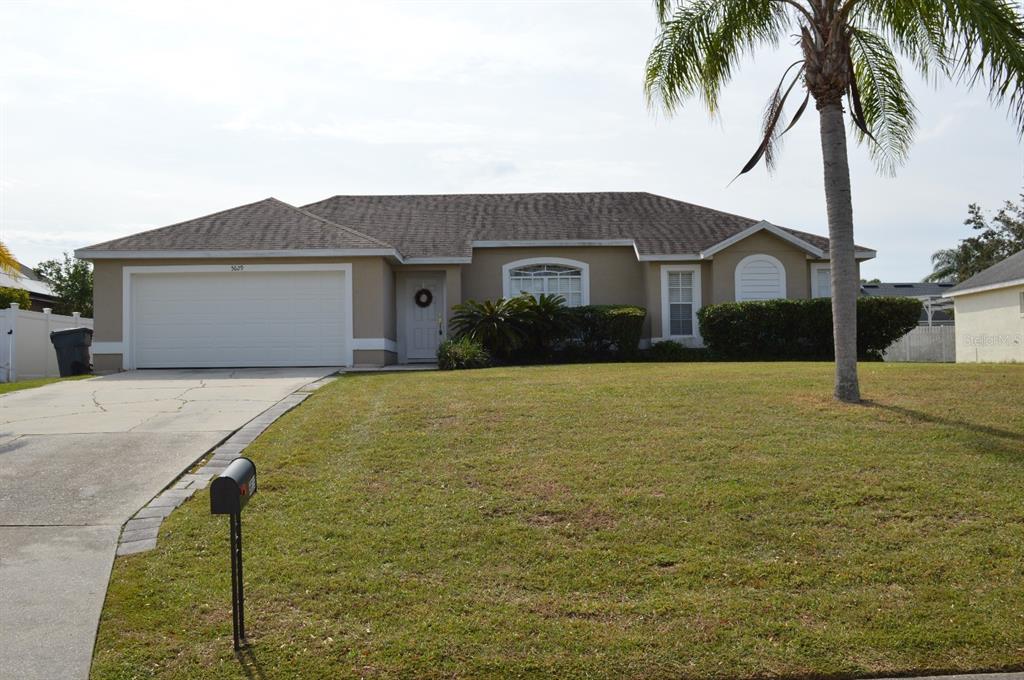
(802,329)
(605,331)
(462,353)
(9,295)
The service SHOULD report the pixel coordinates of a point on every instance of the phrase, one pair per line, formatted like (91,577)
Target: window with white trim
(822,282)
(680,303)
(548,279)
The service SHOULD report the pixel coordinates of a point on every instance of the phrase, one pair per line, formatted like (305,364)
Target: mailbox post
(229,494)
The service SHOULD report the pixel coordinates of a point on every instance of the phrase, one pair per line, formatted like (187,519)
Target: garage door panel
(252,318)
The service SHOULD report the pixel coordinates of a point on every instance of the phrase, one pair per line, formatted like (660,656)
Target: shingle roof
(1010,269)
(445,225)
(915,289)
(269,224)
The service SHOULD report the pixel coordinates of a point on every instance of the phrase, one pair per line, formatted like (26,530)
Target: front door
(424,315)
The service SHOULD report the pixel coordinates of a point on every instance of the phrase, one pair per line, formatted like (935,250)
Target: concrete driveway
(77,459)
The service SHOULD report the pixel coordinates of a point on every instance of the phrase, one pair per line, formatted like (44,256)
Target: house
(936,311)
(989,310)
(38,288)
(371,280)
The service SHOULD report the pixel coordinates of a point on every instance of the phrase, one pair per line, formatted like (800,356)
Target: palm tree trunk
(845,284)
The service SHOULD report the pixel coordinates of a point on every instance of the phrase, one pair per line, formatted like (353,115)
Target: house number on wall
(237,267)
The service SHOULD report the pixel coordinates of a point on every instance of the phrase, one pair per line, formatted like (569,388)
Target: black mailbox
(230,492)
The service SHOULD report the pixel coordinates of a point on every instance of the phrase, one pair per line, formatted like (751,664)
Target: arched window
(760,277)
(548,276)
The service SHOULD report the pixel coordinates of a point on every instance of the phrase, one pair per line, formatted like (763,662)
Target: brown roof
(445,225)
(269,224)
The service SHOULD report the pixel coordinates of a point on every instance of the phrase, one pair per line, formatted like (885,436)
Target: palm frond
(8,264)
(702,42)
(881,101)
(973,42)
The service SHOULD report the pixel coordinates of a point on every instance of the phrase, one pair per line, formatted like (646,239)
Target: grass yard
(619,521)
(38,382)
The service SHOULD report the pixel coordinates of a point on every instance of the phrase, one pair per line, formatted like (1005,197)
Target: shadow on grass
(923,417)
(250,666)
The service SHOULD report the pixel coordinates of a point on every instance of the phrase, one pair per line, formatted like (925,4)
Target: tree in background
(849,53)
(71,280)
(995,241)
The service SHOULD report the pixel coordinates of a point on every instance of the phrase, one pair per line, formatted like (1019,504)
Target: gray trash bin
(72,345)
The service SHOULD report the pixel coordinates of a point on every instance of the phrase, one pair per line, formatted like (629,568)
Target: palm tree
(7,262)
(946,266)
(849,50)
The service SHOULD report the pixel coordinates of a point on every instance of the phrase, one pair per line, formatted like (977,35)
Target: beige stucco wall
(792,258)
(616,277)
(990,326)
(373,357)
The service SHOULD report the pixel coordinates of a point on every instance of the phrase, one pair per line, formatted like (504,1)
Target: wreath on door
(423,297)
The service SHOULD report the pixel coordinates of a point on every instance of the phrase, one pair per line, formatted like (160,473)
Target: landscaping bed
(617,520)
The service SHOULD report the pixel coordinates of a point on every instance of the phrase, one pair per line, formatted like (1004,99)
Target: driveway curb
(139,533)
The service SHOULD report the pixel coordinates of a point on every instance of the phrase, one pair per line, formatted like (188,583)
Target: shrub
(546,323)
(459,353)
(500,326)
(669,350)
(9,295)
(606,331)
(802,329)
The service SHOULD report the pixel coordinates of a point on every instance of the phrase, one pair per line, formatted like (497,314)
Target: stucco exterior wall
(616,277)
(652,284)
(990,326)
(792,258)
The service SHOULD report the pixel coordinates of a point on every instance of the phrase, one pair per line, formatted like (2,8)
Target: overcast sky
(120,117)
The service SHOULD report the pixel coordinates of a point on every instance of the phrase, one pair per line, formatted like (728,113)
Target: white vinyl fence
(926,344)
(25,348)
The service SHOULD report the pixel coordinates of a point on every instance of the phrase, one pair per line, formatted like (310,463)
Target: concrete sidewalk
(77,459)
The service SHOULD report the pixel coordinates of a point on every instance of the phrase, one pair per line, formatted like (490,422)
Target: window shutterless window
(680,302)
(548,279)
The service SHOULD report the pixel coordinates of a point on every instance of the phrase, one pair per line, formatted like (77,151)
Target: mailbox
(230,492)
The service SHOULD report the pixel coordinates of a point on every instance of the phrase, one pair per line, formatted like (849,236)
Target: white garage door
(238,318)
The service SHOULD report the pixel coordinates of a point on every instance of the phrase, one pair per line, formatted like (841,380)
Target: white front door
(424,315)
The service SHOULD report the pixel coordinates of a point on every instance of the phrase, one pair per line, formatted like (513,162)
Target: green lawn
(38,382)
(619,521)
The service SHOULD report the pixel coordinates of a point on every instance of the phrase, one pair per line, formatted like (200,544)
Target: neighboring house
(38,288)
(990,313)
(937,310)
(371,280)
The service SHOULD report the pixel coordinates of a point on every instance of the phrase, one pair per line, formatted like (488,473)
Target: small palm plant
(501,326)
(849,52)
(548,323)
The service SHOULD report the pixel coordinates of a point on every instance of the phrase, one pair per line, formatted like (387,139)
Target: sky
(119,117)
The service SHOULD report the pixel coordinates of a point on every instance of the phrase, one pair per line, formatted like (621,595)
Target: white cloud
(123,115)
